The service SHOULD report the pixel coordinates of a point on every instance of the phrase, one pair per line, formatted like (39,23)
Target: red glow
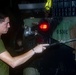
(44,26)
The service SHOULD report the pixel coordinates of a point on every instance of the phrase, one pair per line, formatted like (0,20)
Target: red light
(44,26)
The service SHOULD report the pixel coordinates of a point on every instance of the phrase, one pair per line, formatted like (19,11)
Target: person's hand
(40,48)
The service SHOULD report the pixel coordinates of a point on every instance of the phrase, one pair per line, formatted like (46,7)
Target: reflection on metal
(31,6)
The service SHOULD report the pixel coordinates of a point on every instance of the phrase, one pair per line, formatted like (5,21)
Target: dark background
(60,57)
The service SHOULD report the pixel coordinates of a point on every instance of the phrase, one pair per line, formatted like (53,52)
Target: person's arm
(18,60)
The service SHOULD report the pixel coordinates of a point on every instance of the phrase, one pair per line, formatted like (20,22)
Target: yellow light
(48,4)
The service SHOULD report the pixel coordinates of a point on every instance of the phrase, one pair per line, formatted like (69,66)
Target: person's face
(4,26)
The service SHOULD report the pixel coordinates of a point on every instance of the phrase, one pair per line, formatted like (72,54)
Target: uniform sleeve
(2,47)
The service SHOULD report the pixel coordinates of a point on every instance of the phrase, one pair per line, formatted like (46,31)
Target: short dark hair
(3,15)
